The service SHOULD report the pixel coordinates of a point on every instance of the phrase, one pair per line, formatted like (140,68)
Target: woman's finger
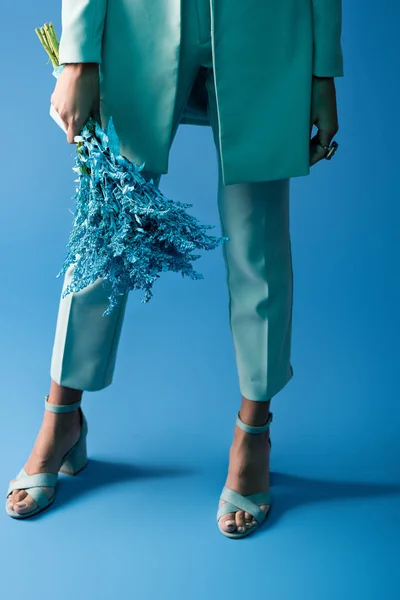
(317,153)
(74,128)
(322,138)
(59,118)
(325,136)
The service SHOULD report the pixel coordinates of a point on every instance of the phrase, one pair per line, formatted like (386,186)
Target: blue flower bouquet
(125,230)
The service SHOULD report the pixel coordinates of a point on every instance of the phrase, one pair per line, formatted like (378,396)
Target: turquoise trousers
(258,261)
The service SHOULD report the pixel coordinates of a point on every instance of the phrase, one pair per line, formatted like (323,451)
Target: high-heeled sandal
(74,461)
(251,504)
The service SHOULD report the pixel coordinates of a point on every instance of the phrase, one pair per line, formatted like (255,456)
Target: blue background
(140,520)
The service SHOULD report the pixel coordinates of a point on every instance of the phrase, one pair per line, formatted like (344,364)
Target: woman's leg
(85,344)
(255,216)
(58,433)
(84,356)
(259,277)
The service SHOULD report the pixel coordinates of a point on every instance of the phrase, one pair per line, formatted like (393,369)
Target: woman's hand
(323,115)
(76,96)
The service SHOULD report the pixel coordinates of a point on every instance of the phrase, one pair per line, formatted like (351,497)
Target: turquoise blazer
(265,53)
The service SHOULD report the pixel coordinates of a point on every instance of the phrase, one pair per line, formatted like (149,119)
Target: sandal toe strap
(226,508)
(235,502)
(25,482)
(39,496)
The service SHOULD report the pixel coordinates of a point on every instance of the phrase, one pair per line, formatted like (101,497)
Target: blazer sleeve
(327,23)
(82,30)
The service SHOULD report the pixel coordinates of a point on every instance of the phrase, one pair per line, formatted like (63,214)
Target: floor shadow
(101,473)
(290,492)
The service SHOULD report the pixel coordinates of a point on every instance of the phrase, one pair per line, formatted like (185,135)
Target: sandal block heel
(76,459)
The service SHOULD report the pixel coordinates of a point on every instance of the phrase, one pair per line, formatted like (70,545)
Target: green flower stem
(52,39)
(48,39)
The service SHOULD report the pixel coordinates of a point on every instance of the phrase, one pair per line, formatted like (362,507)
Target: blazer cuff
(327,25)
(333,72)
(82,31)
(329,68)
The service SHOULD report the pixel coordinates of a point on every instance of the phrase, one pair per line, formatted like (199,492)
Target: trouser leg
(86,343)
(258,261)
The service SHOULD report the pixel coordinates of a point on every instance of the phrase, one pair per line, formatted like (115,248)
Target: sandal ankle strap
(60,408)
(251,428)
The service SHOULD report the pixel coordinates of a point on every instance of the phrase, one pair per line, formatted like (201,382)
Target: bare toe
(15,496)
(24,506)
(227,522)
(240,524)
(19,495)
(248,519)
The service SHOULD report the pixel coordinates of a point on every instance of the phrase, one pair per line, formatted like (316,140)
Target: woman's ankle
(254,412)
(62,395)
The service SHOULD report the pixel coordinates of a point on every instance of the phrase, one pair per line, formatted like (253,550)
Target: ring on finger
(330,150)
